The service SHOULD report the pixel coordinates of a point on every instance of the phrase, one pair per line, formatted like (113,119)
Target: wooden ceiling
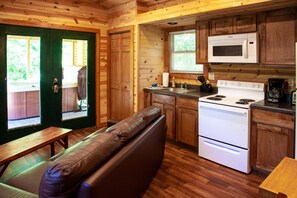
(107,4)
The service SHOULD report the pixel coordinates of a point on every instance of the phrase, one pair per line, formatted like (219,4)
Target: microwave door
(230,51)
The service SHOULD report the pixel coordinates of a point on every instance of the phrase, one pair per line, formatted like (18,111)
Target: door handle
(56,86)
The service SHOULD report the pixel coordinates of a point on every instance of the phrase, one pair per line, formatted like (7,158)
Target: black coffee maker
(276,88)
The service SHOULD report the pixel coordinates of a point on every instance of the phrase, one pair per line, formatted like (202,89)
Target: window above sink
(183,52)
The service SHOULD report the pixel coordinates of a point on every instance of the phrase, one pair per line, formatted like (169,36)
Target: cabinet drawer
(187,103)
(164,99)
(273,118)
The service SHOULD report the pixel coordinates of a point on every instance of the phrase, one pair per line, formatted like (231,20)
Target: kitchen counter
(283,107)
(178,92)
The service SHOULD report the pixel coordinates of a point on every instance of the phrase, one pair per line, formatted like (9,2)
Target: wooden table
(25,145)
(283,179)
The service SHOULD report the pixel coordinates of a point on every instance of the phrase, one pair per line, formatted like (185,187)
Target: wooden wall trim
(121,29)
(189,12)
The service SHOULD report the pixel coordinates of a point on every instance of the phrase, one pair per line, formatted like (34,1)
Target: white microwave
(235,48)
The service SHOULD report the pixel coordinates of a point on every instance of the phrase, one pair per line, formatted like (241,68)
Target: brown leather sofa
(119,161)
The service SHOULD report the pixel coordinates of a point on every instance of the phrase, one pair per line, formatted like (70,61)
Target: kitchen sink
(180,90)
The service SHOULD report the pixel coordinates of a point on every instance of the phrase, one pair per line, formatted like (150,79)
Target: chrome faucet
(183,85)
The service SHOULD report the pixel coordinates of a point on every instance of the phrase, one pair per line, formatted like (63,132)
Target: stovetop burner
(244,101)
(247,100)
(214,98)
(220,96)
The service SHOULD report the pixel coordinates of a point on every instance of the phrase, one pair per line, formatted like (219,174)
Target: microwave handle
(245,55)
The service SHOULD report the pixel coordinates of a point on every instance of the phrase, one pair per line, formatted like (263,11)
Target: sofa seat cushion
(9,191)
(65,174)
(127,128)
(149,114)
(29,180)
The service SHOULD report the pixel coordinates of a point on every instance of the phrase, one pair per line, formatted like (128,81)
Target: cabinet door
(273,144)
(202,33)
(221,26)
(244,23)
(169,112)
(187,126)
(277,37)
(147,99)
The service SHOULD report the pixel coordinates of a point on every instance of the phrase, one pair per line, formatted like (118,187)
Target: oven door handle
(233,110)
(233,151)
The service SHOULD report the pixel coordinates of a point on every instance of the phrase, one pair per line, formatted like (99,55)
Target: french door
(47,79)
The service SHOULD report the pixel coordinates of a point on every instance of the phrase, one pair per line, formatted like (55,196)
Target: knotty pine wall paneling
(151,59)
(82,15)
(122,15)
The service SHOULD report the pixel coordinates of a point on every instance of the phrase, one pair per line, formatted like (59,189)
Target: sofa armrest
(9,191)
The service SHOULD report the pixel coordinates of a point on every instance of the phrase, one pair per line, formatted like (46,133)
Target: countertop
(178,92)
(282,107)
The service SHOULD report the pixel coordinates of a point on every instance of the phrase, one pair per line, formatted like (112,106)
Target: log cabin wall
(151,59)
(68,15)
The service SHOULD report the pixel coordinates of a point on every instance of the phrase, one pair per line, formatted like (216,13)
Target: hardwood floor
(182,173)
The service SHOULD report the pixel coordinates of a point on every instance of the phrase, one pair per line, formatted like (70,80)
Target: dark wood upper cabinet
(278,34)
(221,26)
(234,24)
(202,33)
(244,23)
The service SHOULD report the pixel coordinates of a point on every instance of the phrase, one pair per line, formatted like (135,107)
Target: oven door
(225,124)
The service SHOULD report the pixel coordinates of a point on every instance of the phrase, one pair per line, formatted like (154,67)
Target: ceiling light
(172,23)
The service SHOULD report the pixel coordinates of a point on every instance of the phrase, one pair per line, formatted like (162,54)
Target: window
(183,52)
(23,55)
(74,52)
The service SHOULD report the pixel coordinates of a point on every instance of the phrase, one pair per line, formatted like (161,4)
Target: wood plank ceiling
(112,3)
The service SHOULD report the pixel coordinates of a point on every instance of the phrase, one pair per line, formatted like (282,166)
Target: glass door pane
(74,78)
(23,81)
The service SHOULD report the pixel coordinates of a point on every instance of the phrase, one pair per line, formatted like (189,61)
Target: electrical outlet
(291,82)
(211,76)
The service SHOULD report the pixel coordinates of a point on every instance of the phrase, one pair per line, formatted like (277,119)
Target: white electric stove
(224,123)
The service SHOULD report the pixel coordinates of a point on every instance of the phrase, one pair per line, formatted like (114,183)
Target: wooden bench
(25,145)
(282,181)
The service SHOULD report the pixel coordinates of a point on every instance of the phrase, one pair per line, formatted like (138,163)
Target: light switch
(211,76)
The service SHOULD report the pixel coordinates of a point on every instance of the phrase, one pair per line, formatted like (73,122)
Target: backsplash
(242,72)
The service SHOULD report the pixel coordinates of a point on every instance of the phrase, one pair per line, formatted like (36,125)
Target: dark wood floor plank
(182,174)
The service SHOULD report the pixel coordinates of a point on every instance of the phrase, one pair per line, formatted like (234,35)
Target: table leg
(4,168)
(52,148)
(65,139)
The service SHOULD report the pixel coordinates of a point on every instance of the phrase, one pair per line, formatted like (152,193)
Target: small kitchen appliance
(233,48)
(224,123)
(275,90)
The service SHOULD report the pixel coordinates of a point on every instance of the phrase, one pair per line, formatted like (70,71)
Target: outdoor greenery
(183,53)
(19,50)
(184,42)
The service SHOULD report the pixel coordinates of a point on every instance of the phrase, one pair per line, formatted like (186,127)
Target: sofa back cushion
(149,114)
(62,178)
(127,128)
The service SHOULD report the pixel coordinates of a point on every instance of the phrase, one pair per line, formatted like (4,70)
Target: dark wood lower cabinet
(272,139)
(167,106)
(187,126)
(181,117)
